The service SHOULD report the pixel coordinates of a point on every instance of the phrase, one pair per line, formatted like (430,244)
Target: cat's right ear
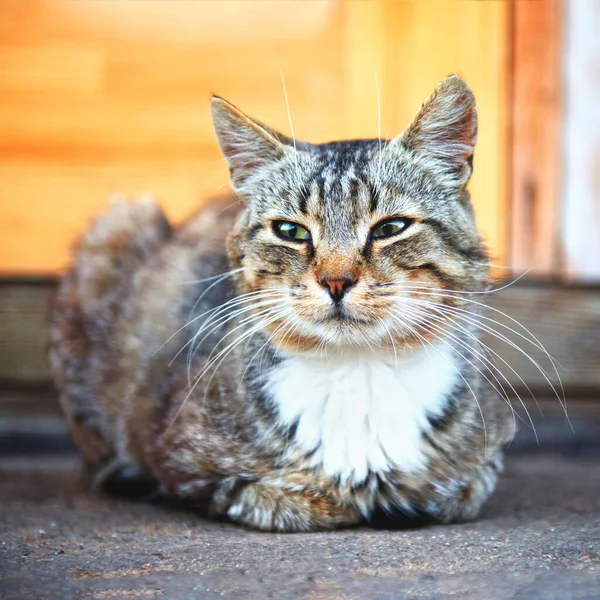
(445,130)
(247,145)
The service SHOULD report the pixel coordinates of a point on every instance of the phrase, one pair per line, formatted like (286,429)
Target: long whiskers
(379,158)
(227,319)
(424,340)
(448,294)
(220,276)
(213,312)
(263,321)
(475,320)
(226,314)
(217,362)
(498,386)
(190,321)
(448,319)
(299,180)
(256,322)
(451,315)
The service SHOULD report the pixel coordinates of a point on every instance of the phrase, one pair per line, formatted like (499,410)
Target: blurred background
(101,97)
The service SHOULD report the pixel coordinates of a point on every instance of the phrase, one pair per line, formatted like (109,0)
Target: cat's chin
(346,331)
(341,317)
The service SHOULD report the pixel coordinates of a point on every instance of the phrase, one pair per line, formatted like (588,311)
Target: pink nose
(337,287)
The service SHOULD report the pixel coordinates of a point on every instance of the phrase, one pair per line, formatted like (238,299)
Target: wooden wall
(536,84)
(98,97)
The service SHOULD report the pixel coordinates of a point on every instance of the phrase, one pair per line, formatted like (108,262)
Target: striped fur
(284,408)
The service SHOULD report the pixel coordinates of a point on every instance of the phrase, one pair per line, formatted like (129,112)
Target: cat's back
(133,284)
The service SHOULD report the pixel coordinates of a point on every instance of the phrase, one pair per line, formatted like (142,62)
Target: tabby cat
(297,358)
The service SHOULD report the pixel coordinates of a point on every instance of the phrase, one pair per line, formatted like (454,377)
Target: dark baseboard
(566,319)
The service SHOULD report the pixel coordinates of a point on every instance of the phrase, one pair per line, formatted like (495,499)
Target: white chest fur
(362,413)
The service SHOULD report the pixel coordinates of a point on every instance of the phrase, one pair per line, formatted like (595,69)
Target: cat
(295,358)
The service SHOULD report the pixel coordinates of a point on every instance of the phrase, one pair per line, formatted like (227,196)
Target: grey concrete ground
(539,537)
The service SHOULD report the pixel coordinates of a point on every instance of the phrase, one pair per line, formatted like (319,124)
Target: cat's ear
(445,129)
(247,145)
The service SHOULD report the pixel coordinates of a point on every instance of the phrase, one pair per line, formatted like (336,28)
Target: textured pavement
(539,537)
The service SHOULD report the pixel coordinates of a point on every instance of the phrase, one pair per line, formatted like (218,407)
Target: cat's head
(350,243)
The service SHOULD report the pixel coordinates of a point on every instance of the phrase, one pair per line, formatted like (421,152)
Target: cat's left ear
(247,144)
(445,129)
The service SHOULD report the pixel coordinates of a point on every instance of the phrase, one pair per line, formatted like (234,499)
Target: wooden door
(102,97)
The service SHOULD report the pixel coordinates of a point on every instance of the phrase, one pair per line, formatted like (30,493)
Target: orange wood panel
(99,97)
(536,109)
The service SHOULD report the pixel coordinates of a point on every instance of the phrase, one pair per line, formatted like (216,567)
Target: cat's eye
(291,231)
(390,227)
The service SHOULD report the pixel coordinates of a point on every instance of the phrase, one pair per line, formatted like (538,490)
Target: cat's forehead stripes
(342,194)
(353,196)
(339,202)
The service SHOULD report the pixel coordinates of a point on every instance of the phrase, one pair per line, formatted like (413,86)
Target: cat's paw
(271,508)
(466,503)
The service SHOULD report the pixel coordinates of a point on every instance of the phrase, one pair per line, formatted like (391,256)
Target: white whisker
(219,276)
(424,339)
(266,320)
(226,320)
(536,342)
(299,181)
(479,356)
(379,158)
(475,320)
(229,313)
(263,322)
(213,312)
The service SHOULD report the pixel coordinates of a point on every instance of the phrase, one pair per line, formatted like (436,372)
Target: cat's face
(351,243)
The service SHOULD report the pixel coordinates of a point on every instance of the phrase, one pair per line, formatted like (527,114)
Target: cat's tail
(92,302)
(111,252)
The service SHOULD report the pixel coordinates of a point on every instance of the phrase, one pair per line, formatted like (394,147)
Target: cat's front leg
(270,506)
(466,500)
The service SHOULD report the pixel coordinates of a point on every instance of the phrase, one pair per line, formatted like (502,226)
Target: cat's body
(330,394)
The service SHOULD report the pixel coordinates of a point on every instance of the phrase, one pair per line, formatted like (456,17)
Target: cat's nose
(337,287)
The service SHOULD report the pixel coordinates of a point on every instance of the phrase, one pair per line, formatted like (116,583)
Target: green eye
(291,231)
(390,227)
